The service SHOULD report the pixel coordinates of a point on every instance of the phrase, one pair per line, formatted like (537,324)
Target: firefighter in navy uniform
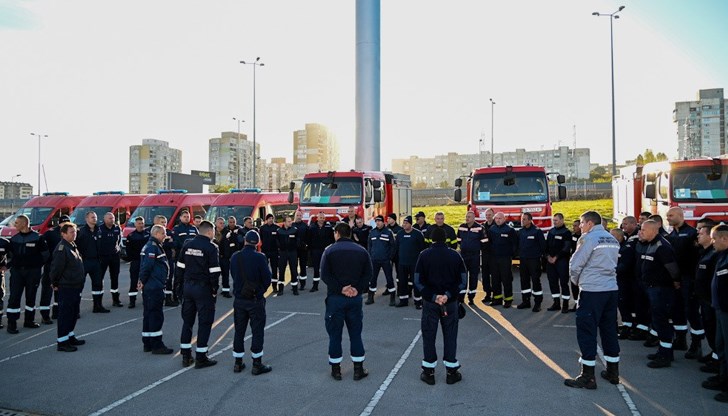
(4,250)
(360,232)
(302,250)
(485,257)
(503,245)
(320,235)
(251,278)
(421,222)
(531,250)
(88,245)
(440,275)
(451,238)
(381,250)
(52,238)
(575,235)
(135,242)
(471,237)
(67,278)
(703,279)
(109,244)
(269,245)
(152,276)
(231,242)
(170,298)
(287,251)
(28,254)
(683,239)
(558,252)
(626,283)
(197,280)
(409,244)
(719,298)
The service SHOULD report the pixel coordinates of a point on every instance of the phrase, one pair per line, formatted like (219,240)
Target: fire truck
(43,211)
(698,186)
(511,190)
(254,203)
(118,203)
(371,193)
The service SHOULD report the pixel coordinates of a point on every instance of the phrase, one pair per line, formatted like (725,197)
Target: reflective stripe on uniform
(666,344)
(180,265)
(525,291)
(357,359)
(215,269)
(238,354)
(185,346)
(448,364)
(201,349)
(611,359)
(697,331)
(425,364)
(590,363)
(335,360)
(256,354)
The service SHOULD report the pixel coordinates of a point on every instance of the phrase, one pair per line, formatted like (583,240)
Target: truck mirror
(377,184)
(378,195)
(560,179)
(650,191)
(458,195)
(290,196)
(562,192)
(509,181)
(458,182)
(292,185)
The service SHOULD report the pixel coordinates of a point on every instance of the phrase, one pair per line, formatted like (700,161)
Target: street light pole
(39,137)
(12,200)
(237,149)
(492,136)
(612,16)
(255,64)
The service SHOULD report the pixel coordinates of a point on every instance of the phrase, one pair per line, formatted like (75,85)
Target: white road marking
(620,387)
(564,326)
(299,313)
(385,384)
(175,374)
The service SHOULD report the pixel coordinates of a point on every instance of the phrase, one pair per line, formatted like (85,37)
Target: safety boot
(260,368)
(637,334)
(453,376)
(525,303)
(660,361)
(680,343)
(402,303)
(565,306)
(302,283)
(239,365)
(556,306)
(537,300)
(187,359)
(370,298)
(428,376)
(652,341)
(280,288)
(585,380)
(611,374)
(132,302)
(116,302)
(392,300)
(294,289)
(65,347)
(696,349)
(13,326)
(715,383)
(359,371)
(201,361)
(336,371)
(314,288)
(507,303)
(418,304)
(471,299)
(624,331)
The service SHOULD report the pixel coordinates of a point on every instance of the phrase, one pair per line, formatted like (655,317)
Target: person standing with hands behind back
(67,278)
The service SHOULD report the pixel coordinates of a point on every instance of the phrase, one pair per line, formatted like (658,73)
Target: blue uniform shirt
(154,268)
(381,244)
(199,261)
(247,264)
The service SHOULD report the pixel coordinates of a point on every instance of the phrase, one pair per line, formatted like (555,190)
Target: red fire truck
(254,203)
(44,212)
(371,193)
(698,186)
(511,190)
(119,203)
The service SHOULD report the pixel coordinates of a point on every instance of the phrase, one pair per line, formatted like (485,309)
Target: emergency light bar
(55,193)
(110,193)
(244,190)
(171,191)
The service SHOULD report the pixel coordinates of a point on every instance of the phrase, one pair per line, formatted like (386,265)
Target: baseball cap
(420,214)
(408,219)
(64,218)
(379,218)
(252,237)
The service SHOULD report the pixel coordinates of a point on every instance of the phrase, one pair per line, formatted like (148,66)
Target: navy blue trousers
(342,310)
(472,265)
(385,265)
(662,303)
(249,311)
(197,301)
(558,276)
(431,319)
(69,302)
(597,311)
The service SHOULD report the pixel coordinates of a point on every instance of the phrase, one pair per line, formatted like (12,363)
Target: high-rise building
(15,190)
(701,125)
(149,164)
(231,158)
(314,148)
(276,174)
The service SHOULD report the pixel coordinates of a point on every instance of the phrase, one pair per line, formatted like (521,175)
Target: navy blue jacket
(154,268)
(531,243)
(656,263)
(471,239)
(320,237)
(4,251)
(345,263)
(422,228)
(301,233)
(627,259)
(168,244)
(87,242)
(232,241)
(269,238)
(704,273)
(67,266)
(28,250)
(683,241)
(451,239)
(503,240)
(719,286)
(288,238)
(558,242)
(361,235)
(440,271)
(181,233)
(396,228)
(52,238)
(109,241)
(199,261)
(409,245)
(381,244)
(135,242)
(248,264)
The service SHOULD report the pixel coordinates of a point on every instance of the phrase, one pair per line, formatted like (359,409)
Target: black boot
(1,321)
(314,288)
(280,288)
(611,374)
(239,365)
(201,361)
(294,289)
(696,348)
(30,320)
(403,303)
(624,332)
(187,359)
(471,299)
(302,283)
(537,300)
(115,300)
(274,285)
(45,316)
(12,326)
(98,307)
(565,306)
(260,368)
(392,299)
(507,303)
(132,302)
(54,312)
(428,376)
(660,361)
(162,350)
(585,380)
(680,343)
(652,341)
(336,371)
(556,305)
(418,304)
(495,302)
(65,347)
(637,334)
(453,376)
(75,341)
(370,298)
(487,298)
(169,301)
(525,303)
(359,371)
(715,383)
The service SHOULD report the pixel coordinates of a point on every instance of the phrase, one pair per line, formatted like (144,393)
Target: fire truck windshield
(37,215)
(149,212)
(524,188)
(78,216)
(237,211)
(693,184)
(326,191)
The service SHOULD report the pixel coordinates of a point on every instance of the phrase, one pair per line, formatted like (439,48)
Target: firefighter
(409,244)
(451,239)
(109,244)
(658,219)
(87,243)
(320,235)
(301,251)
(531,249)
(28,253)
(485,256)
(575,235)
(504,242)
(421,222)
(644,216)
(269,245)
(197,220)
(684,240)
(558,252)
(170,298)
(471,236)
(287,255)
(197,280)
(67,277)
(351,216)
(247,226)
(381,250)
(181,232)
(251,278)
(703,279)
(4,250)
(719,298)
(53,238)
(360,232)
(625,281)
(231,242)
(152,276)
(630,227)
(135,242)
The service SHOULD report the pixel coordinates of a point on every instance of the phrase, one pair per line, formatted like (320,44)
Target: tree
(444,184)
(640,160)
(649,156)
(221,189)
(660,157)
(419,185)
(599,173)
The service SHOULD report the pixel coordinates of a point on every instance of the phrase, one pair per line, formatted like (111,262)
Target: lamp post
(237,149)
(12,200)
(492,136)
(255,64)
(612,16)
(40,136)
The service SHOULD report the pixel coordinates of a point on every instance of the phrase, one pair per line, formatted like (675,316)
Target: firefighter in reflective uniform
(180,234)
(360,232)
(558,252)
(719,297)
(471,237)
(409,244)
(531,249)
(503,245)
(135,242)
(703,279)
(170,298)
(269,245)
(626,282)
(197,278)
(575,235)
(320,235)
(109,249)
(451,238)
(287,252)
(87,243)
(302,250)
(153,272)
(4,250)
(52,238)
(381,250)
(231,242)
(485,257)
(67,277)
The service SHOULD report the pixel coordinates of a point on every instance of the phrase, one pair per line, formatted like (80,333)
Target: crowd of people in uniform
(662,283)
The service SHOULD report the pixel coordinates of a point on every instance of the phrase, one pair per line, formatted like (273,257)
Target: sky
(98,76)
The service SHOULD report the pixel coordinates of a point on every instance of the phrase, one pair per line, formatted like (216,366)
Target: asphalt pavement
(513,362)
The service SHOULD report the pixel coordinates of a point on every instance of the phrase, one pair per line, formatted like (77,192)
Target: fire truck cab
(117,202)
(254,203)
(44,212)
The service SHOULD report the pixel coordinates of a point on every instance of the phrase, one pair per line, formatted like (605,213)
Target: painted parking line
(620,387)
